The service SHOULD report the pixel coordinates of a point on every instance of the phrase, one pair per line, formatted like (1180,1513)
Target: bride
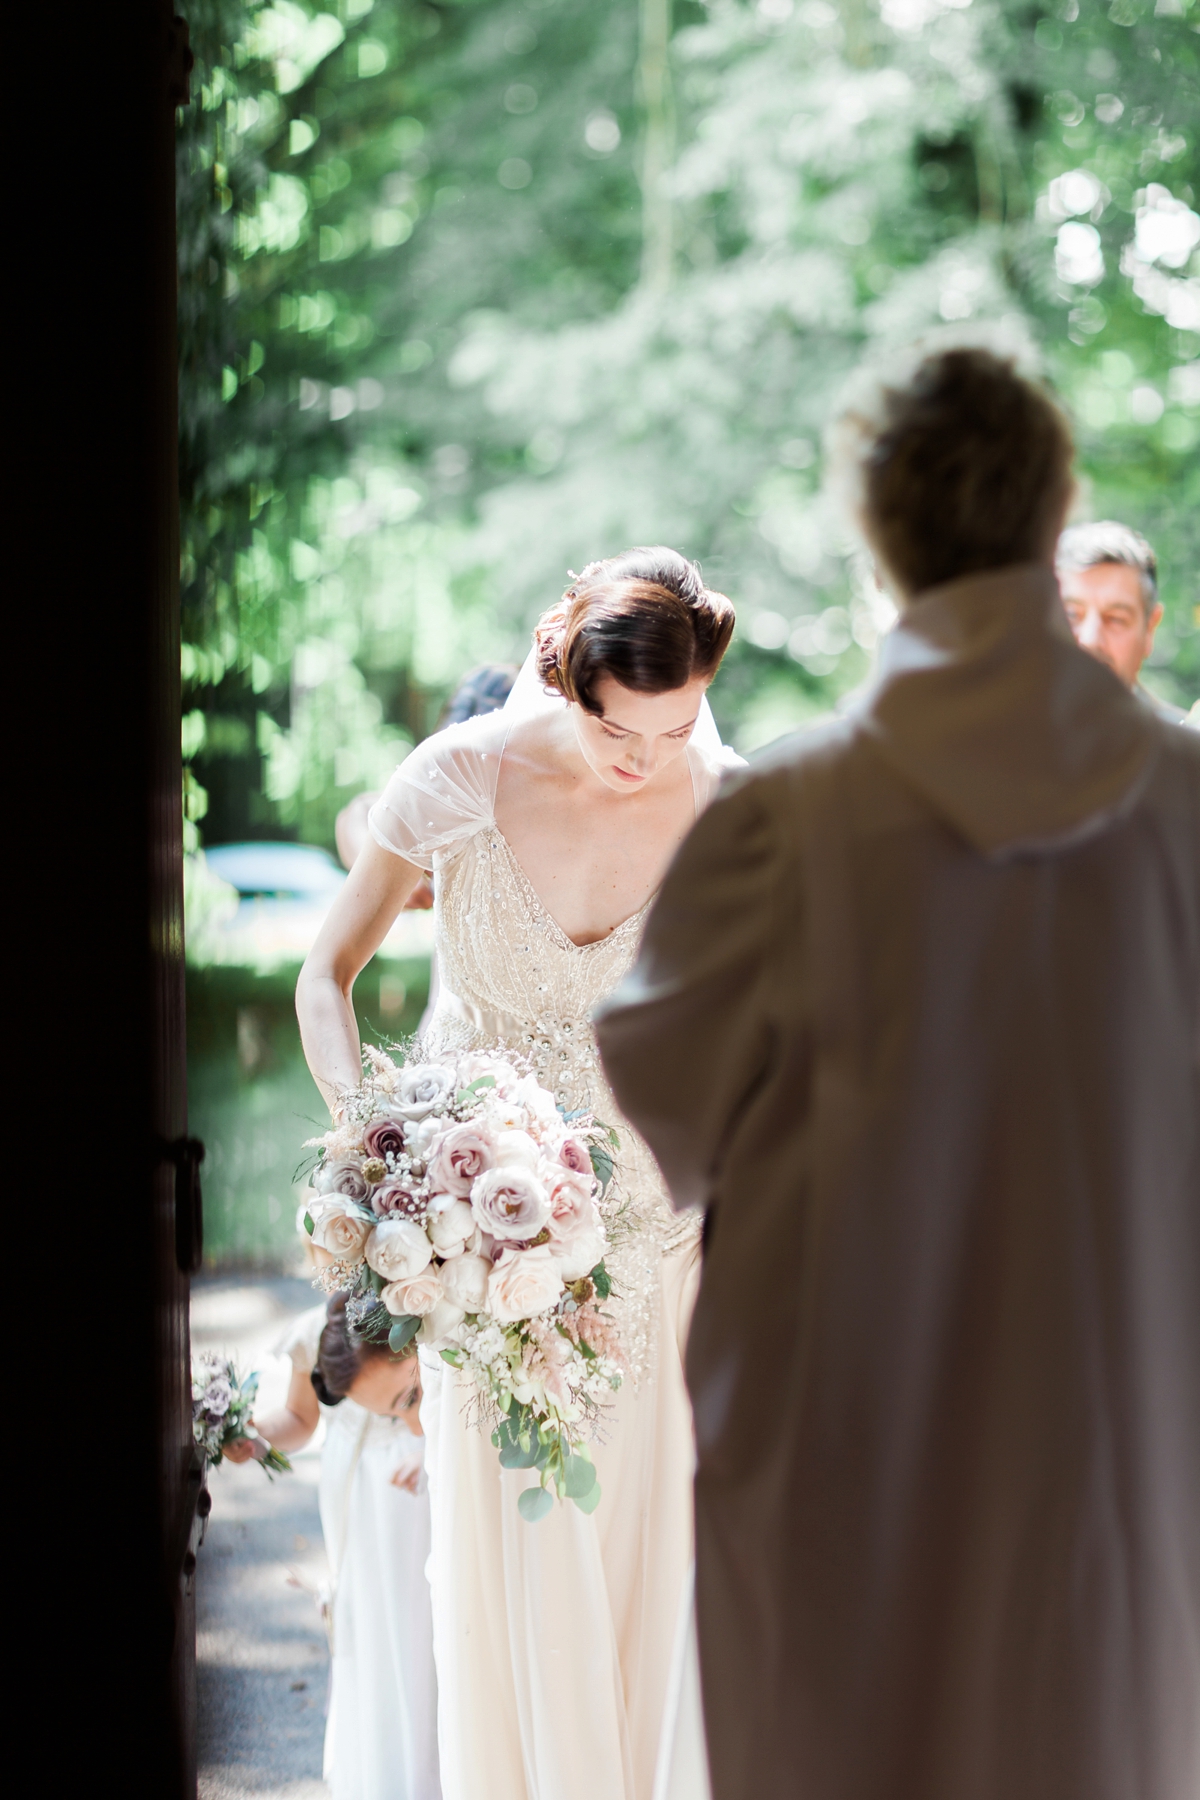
(549,827)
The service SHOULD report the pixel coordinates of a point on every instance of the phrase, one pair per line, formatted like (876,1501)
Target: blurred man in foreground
(916,1021)
(1108,577)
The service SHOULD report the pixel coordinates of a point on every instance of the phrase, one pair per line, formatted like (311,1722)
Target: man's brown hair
(963,467)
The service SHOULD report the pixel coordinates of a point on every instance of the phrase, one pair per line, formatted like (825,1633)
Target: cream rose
(465,1282)
(337,1227)
(397,1249)
(437,1325)
(516,1147)
(460,1157)
(415,1297)
(576,1245)
(510,1203)
(452,1229)
(522,1283)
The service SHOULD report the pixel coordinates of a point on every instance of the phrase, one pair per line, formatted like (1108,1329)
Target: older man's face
(1107,614)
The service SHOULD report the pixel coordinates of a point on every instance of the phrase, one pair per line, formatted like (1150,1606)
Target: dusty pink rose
(510,1203)
(522,1283)
(573,1154)
(395,1200)
(462,1155)
(417,1296)
(383,1138)
(341,1178)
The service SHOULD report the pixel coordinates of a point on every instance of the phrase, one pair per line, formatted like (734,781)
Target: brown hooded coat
(917,1020)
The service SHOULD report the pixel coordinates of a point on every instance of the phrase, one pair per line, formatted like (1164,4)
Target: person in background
(1108,578)
(484,690)
(915,1022)
(381,1736)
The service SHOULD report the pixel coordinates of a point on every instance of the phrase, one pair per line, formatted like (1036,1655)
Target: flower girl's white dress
(554,1641)
(381,1736)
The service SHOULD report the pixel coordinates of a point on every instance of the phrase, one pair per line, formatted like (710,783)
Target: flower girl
(381,1738)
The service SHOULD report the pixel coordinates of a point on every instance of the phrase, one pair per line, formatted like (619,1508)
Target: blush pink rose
(510,1203)
(570,1197)
(461,1156)
(522,1283)
(573,1155)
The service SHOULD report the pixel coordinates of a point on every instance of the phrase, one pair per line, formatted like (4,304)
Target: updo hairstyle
(644,617)
(342,1355)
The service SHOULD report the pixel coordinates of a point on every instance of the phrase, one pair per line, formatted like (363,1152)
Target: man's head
(1108,575)
(959,467)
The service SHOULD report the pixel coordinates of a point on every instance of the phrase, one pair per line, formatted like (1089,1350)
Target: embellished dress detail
(553,1641)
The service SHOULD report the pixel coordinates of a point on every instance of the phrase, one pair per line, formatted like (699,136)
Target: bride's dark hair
(342,1354)
(644,617)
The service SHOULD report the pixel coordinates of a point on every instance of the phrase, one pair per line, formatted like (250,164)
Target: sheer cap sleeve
(303,1339)
(443,792)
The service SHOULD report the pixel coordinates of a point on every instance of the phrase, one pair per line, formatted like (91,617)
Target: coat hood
(1015,736)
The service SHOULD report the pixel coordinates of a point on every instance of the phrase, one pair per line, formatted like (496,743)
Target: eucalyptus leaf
(587,1503)
(601,1280)
(602,1164)
(402,1332)
(308,1224)
(580,1477)
(534,1504)
(513,1457)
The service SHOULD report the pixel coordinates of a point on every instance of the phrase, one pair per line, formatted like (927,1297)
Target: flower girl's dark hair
(644,617)
(342,1353)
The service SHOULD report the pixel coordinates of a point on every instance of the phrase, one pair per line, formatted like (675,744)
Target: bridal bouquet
(222,1402)
(456,1200)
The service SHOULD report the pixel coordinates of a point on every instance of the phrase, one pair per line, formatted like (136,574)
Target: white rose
(420,1089)
(437,1325)
(506,1115)
(537,1101)
(337,1227)
(522,1283)
(576,1246)
(450,1230)
(465,1282)
(421,1140)
(516,1147)
(415,1297)
(397,1249)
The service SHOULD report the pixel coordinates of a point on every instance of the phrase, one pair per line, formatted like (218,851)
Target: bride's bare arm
(358,921)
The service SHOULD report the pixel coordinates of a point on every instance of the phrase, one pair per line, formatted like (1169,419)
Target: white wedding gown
(555,1643)
(381,1734)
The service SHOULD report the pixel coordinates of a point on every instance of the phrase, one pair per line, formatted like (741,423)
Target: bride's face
(636,736)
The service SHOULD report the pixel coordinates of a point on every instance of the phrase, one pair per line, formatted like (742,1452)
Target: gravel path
(263,1669)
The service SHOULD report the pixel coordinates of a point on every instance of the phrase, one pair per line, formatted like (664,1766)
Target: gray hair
(1088,546)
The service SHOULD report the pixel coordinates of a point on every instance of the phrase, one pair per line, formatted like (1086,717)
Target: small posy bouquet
(222,1402)
(457,1201)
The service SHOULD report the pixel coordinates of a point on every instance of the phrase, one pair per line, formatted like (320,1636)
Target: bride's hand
(241,1450)
(407,1477)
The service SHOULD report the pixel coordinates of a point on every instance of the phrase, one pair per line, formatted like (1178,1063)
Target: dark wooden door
(96,882)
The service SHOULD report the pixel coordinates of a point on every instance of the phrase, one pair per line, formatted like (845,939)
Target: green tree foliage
(473,292)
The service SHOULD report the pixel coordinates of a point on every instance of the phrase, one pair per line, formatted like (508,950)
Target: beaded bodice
(511,976)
